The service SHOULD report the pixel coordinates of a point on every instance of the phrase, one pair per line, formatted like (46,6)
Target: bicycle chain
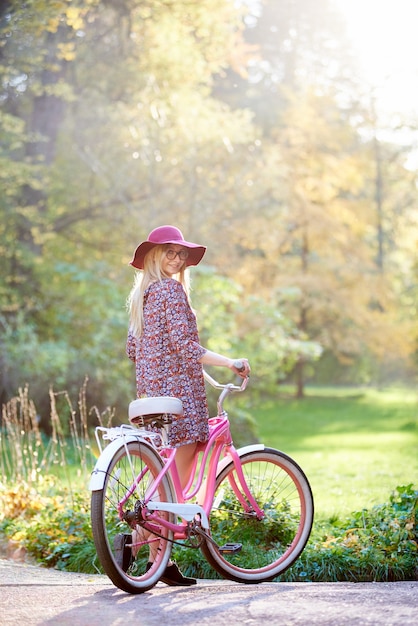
(196,530)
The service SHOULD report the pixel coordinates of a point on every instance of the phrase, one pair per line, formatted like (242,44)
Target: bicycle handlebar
(229,386)
(239,365)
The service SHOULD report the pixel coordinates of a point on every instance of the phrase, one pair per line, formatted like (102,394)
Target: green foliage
(54,529)
(115,117)
(83,334)
(27,454)
(44,504)
(231,322)
(377,544)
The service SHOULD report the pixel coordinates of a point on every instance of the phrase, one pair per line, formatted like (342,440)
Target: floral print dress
(166,358)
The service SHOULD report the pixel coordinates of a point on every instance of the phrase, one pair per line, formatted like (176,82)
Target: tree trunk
(303,321)
(379,205)
(300,380)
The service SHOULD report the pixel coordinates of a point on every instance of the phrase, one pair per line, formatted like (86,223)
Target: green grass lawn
(355,446)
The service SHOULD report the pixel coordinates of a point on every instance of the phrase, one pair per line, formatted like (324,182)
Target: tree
(239,123)
(108,126)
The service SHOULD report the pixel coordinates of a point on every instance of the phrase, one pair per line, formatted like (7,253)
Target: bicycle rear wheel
(122,545)
(252,550)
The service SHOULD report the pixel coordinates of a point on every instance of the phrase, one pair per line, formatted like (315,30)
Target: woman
(163,342)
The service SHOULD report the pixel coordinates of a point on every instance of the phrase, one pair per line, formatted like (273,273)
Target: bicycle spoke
(122,544)
(268,545)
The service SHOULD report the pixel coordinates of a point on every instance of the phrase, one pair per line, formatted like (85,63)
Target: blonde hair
(151,273)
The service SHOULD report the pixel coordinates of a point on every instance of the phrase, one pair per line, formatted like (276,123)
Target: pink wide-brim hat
(164,235)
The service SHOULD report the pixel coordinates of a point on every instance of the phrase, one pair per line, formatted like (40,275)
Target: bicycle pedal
(230,548)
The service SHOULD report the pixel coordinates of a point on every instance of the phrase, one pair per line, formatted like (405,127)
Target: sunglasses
(171,254)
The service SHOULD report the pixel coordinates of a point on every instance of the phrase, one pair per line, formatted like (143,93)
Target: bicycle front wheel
(122,543)
(252,550)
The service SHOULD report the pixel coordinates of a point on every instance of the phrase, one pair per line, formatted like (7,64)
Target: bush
(380,544)
(53,529)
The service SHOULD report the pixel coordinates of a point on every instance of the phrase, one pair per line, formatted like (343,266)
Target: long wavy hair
(151,273)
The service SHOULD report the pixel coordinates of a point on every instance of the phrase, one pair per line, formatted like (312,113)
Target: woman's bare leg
(184,461)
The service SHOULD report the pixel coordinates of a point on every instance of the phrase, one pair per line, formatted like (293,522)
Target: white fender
(99,473)
(255,447)
(184,510)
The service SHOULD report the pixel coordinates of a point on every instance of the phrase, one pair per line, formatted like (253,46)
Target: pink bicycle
(249,510)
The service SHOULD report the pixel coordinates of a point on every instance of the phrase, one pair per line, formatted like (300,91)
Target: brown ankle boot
(173,577)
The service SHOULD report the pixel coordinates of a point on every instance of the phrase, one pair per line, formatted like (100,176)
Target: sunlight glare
(383,33)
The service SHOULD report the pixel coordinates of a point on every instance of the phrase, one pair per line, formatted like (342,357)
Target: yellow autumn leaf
(52,24)
(66,51)
(351,540)
(74,18)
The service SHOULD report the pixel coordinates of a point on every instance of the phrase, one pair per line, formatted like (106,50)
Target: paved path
(34,596)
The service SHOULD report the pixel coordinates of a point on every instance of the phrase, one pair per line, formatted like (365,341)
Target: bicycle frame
(206,466)
(219,440)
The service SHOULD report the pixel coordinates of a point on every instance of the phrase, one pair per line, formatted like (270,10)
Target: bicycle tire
(108,505)
(270,545)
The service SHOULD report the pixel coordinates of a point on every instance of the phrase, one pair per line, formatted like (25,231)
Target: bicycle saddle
(154,407)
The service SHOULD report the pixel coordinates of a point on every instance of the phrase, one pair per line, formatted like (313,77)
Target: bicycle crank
(227,548)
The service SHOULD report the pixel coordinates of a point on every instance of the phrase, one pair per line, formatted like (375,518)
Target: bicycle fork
(195,515)
(248,502)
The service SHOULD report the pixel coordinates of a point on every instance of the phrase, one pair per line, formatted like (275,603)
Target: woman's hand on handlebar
(241,367)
